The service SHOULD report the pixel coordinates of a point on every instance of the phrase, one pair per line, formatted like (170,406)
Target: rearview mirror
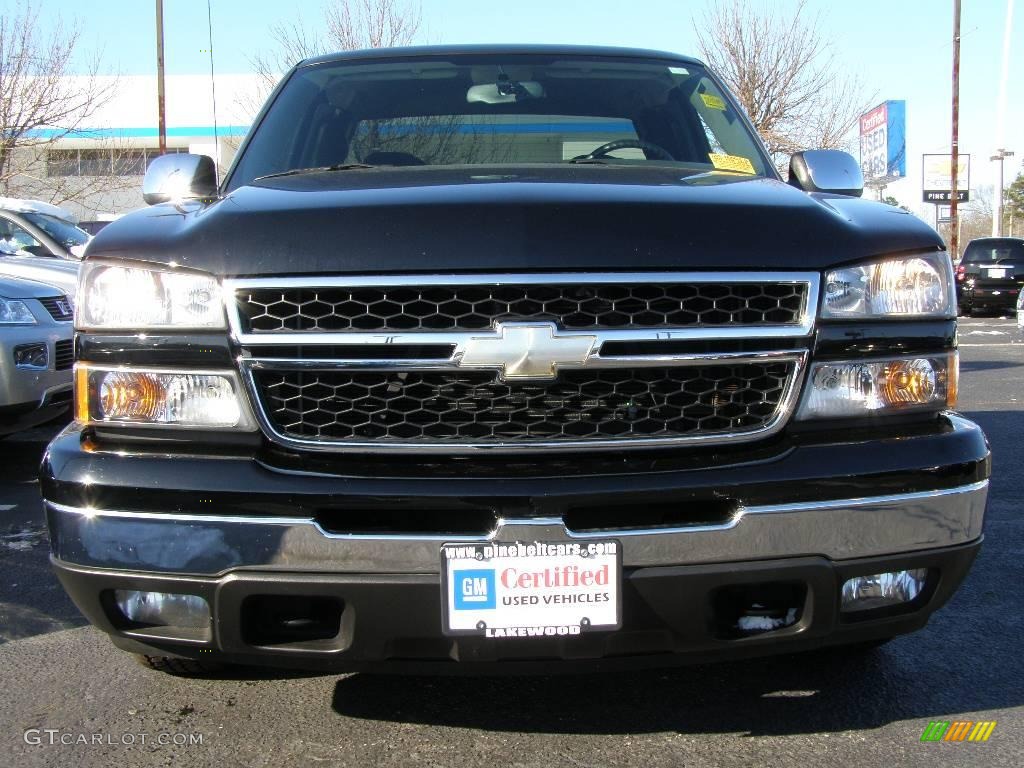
(826,170)
(179,177)
(504,91)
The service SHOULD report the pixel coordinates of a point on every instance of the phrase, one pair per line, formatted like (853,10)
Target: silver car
(36,353)
(27,226)
(60,273)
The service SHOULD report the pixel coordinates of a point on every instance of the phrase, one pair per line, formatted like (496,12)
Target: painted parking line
(7,507)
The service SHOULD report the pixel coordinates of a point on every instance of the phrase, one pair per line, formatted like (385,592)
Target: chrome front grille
(552,361)
(479,307)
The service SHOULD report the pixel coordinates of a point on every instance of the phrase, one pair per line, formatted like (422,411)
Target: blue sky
(901,48)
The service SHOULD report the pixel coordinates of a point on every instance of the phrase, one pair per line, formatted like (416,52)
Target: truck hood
(478,218)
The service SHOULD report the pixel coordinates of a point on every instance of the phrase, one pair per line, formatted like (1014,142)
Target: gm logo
(474,590)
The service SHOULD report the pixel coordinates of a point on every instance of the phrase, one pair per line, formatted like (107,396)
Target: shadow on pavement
(32,601)
(811,693)
(986,365)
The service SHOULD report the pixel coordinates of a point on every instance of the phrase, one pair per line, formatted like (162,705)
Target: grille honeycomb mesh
(475,407)
(477,307)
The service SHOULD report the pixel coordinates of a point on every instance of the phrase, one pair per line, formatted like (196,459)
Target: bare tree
(40,102)
(784,73)
(1013,206)
(86,177)
(348,25)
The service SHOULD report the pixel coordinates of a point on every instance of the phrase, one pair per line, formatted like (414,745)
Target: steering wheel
(648,148)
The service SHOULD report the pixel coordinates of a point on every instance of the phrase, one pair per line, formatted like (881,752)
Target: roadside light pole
(997,217)
(161,111)
(954,235)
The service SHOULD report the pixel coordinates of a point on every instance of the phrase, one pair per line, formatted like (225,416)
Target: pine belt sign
(937,182)
(883,143)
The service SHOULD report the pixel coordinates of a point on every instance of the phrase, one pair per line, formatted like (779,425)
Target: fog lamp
(163,609)
(880,590)
(32,357)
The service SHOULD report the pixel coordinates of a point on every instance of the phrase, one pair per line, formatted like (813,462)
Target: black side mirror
(179,177)
(826,170)
(38,250)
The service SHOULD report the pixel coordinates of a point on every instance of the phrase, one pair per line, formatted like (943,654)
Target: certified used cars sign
(531,589)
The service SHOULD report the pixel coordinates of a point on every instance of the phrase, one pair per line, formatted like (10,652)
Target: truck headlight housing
(139,297)
(146,397)
(860,388)
(912,286)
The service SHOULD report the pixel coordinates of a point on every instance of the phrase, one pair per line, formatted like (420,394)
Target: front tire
(172,665)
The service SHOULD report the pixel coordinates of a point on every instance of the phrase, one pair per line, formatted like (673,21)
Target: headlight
(142,297)
(916,286)
(14,312)
(860,388)
(196,399)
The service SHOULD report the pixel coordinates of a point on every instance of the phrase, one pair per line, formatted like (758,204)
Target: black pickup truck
(511,358)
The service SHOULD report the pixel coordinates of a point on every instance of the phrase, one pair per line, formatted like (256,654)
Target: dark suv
(518,358)
(990,275)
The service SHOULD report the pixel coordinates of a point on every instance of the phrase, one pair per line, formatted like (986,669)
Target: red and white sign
(531,589)
(874,143)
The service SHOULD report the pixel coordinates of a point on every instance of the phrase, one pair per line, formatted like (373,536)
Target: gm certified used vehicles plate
(531,589)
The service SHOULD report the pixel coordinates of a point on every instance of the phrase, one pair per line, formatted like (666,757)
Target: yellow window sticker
(731,163)
(713,102)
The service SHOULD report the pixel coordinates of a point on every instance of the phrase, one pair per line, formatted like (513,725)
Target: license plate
(997,273)
(531,588)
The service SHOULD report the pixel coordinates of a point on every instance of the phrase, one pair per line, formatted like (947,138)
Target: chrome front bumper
(211,545)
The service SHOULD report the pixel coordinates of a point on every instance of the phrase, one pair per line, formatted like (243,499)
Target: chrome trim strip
(782,414)
(803,328)
(452,363)
(895,498)
(417,338)
(210,545)
(514,278)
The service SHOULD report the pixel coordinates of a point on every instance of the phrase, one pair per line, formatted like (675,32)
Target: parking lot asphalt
(72,699)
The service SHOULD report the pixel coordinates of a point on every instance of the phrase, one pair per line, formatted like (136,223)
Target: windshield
(980,253)
(63,232)
(500,110)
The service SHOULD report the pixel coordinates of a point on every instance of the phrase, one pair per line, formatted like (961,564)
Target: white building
(97,170)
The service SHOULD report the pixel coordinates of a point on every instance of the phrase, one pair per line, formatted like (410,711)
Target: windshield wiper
(320,169)
(589,161)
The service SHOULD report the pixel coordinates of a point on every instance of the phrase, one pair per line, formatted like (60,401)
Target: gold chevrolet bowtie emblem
(527,351)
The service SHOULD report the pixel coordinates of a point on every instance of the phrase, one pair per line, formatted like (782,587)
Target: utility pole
(954,235)
(997,217)
(161,104)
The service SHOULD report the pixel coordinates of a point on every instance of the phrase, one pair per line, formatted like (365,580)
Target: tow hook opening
(292,622)
(745,610)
